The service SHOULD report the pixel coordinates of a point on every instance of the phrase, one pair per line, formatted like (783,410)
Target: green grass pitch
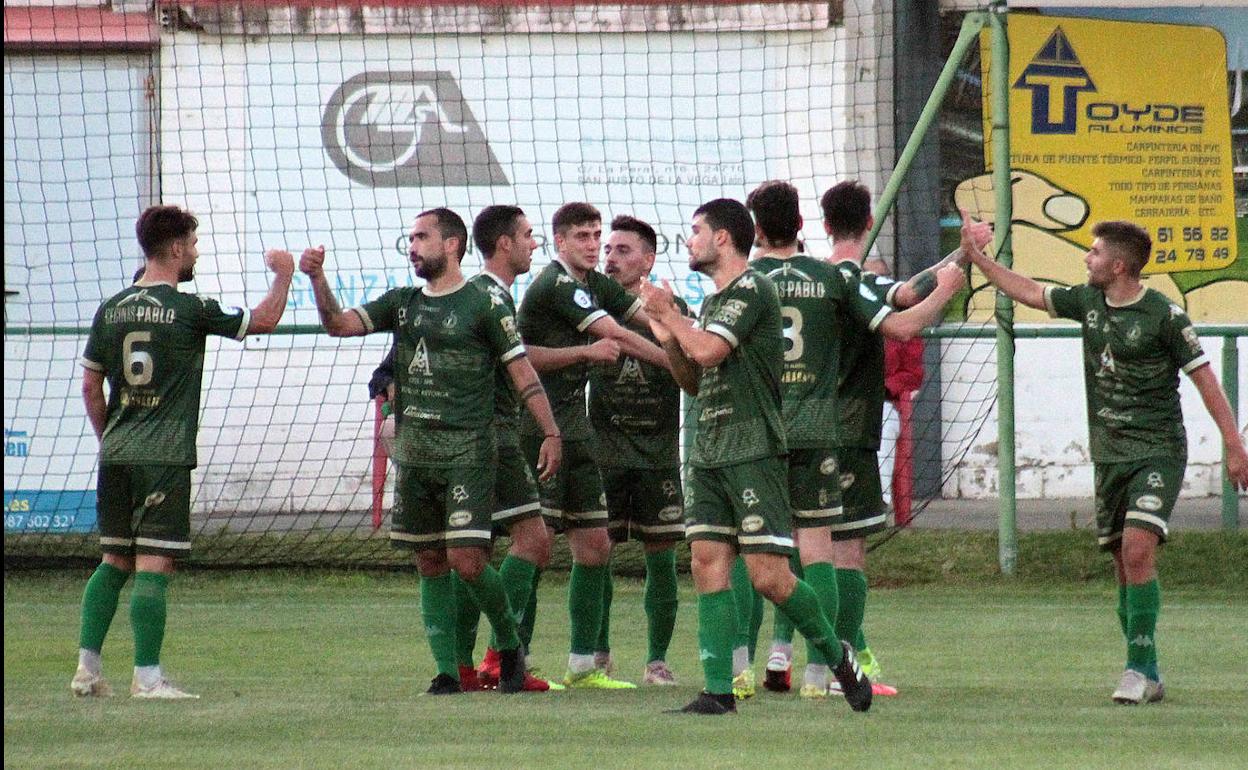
(325,669)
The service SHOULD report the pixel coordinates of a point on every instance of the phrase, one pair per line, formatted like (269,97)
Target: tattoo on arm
(531,390)
(924,284)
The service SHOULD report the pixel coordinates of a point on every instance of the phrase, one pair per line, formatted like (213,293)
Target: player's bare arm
(1016,286)
(975,237)
(701,347)
(1220,410)
(93,398)
(533,395)
(544,359)
(336,322)
(266,315)
(686,373)
(631,343)
(909,323)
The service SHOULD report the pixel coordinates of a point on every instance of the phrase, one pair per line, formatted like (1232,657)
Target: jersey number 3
(793,333)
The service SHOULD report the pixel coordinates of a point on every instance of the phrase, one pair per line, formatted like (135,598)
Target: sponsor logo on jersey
(1107,363)
(1192,339)
(420,360)
(459,518)
(581,297)
(750,498)
(671,513)
(847,480)
(1134,333)
(407,129)
(509,325)
(631,372)
(1149,503)
(496,296)
(451,321)
(459,493)
(752,523)
(730,312)
(823,497)
(748,282)
(828,466)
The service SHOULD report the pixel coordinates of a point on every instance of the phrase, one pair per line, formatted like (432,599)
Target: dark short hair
(493,223)
(626,224)
(776,207)
(159,226)
(570,215)
(847,209)
(1131,241)
(450,225)
(730,215)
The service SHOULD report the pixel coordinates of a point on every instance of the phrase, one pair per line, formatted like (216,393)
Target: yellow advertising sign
(1116,120)
(1126,121)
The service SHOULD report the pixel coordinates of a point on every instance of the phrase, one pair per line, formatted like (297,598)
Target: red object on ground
(380,463)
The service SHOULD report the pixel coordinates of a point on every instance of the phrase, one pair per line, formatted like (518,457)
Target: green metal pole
(971,25)
(1007,524)
(1230,382)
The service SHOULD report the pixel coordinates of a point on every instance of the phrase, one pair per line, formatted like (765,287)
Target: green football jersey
(555,313)
(738,409)
(813,295)
(860,387)
(506,403)
(1132,355)
(445,341)
(634,407)
(148,340)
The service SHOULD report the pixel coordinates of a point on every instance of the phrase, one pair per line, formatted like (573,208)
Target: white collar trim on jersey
(1132,301)
(431,293)
(501,283)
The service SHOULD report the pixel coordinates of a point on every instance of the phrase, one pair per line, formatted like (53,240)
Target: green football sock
(147,616)
(716,622)
(519,581)
(807,617)
(1122,609)
(437,604)
(851,585)
(660,601)
(530,614)
(467,618)
(487,589)
(1143,606)
(585,606)
(860,640)
(756,622)
(99,605)
(821,576)
(604,628)
(743,600)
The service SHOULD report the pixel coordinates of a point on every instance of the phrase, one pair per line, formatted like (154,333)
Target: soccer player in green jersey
(504,238)
(860,393)
(450,337)
(1135,343)
(634,407)
(147,342)
(737,498)
(569,305)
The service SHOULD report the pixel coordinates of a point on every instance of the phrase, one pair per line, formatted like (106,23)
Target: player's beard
(704,261)
(432,268)
(186,274)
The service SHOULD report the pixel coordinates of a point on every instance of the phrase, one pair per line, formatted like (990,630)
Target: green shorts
(573,497)
(445,507)
(645,504)
(814,487)
(1140,493)
(745,505)
(515,487)
(144,509)
(862,498)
